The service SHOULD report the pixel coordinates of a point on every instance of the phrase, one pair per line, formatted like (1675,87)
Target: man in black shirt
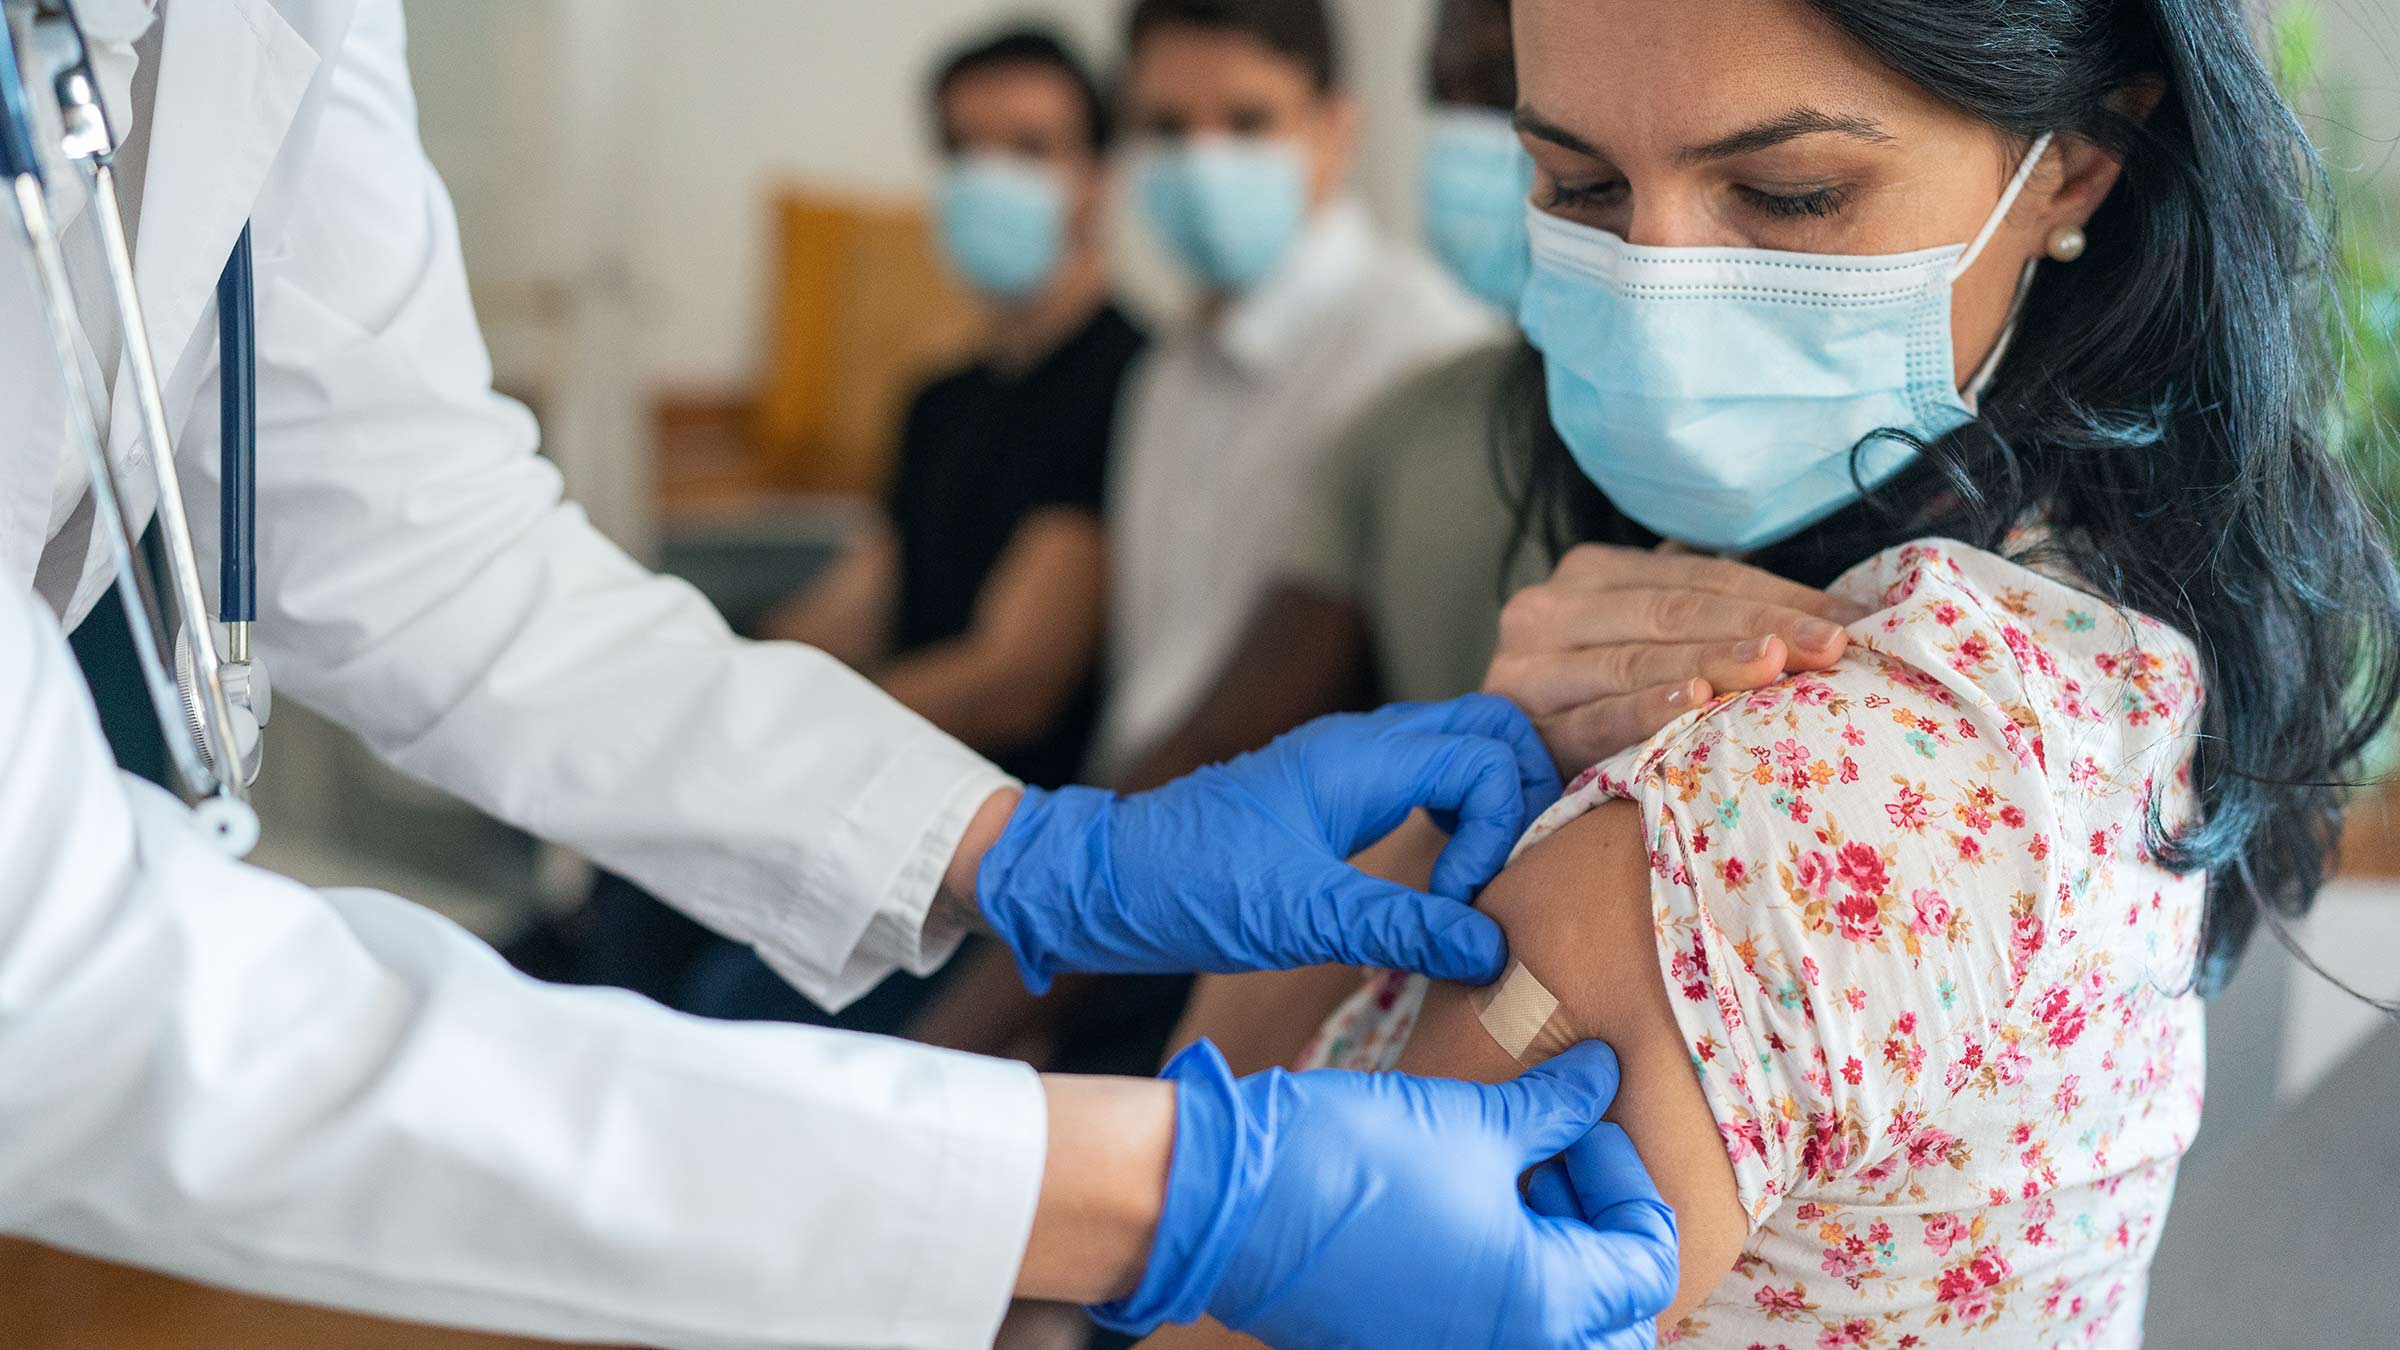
(978,599)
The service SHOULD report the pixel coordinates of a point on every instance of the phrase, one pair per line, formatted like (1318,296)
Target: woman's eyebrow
(1771,132)
(1533,124)
(1785,127)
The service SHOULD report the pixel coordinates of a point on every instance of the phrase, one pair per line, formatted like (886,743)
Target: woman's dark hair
(1298,30)
(1036,47)
(2162,412)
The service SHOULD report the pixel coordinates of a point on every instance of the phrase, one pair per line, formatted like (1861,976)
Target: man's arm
(847,613)
(1305,654)
(1033,643)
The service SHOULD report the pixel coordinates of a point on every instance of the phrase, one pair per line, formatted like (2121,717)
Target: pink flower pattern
(1931,975)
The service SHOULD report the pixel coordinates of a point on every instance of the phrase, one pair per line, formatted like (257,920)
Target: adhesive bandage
(1524,1016)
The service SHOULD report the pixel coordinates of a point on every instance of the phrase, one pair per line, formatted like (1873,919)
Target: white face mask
(1229,210)
(1717,395)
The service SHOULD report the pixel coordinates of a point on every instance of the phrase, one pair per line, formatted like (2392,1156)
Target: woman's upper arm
(1577,912)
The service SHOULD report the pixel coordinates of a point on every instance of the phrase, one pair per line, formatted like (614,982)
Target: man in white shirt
(1306,316)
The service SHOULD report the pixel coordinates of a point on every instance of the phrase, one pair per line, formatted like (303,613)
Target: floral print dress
(1936,987)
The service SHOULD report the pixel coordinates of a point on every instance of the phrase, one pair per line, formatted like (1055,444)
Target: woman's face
(1758,124)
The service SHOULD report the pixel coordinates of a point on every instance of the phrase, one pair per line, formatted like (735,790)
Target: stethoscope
(212,700)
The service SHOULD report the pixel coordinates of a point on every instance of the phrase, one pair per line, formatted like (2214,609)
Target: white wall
(721,99)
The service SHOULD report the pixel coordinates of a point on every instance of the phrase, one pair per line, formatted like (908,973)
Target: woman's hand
(1619,642)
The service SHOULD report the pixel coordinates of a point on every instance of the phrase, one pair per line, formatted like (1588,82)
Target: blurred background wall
(701,105)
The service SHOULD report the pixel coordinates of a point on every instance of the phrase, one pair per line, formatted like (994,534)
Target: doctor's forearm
(1103,1186)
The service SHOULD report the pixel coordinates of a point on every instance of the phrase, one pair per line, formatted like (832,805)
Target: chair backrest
(863,312)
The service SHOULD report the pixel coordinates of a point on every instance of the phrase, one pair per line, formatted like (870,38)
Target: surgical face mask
(1228,210)
(1003,222)
(1476,177)
(1717,394)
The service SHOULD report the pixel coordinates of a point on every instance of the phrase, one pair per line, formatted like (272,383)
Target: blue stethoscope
(212,699)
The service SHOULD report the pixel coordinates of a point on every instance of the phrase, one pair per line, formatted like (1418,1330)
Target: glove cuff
(1215,1185)
(1055,845)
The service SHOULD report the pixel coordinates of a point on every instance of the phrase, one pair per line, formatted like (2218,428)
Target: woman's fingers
(1611,568)
(1551,683)
(1620,642)
(1586,735)
(1556,618)
(1596,731)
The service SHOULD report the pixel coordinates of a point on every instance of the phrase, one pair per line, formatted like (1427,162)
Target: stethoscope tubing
(237,420)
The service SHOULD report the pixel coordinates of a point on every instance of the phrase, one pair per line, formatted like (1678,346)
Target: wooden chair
(861,311)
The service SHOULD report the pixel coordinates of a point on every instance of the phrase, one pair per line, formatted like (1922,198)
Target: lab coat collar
(230,78)
(115,21)
(1270,324)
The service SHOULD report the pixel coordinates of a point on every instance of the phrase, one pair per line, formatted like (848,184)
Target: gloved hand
(1240,866)
(1332,1209)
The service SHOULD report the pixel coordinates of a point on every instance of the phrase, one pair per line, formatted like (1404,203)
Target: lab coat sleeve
(345,1099)
(424,585)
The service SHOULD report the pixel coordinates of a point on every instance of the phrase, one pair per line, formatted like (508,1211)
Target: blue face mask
(1476,177)
(1003,222)
(1228,210)
(1717,395)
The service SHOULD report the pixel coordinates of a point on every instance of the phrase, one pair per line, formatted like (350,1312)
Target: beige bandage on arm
(1524,1016)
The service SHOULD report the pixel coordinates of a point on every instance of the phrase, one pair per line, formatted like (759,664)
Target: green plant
(2364,317)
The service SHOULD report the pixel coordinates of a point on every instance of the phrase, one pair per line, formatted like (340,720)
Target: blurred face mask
(1717,394)
(1476,177)
(1228,210)
(1003,223)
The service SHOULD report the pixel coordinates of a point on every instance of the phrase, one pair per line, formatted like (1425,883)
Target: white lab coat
(212,1071)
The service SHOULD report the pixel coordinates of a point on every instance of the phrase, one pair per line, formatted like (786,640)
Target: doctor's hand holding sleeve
(1329,1209)
(1241,866)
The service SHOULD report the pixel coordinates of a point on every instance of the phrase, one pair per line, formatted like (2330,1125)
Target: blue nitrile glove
(1330,1209)
(1240,866)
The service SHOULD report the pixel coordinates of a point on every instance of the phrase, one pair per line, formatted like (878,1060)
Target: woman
(2000,321)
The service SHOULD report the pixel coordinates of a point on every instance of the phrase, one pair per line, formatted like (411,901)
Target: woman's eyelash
(1818,202)
(1580,194)
(1821,202)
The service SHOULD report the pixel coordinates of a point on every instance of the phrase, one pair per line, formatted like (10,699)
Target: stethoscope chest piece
(248,692)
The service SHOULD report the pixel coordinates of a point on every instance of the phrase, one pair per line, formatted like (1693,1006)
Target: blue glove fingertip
(1475,949)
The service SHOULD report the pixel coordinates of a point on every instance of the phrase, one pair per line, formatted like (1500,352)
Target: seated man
(1305,317)
(977,599)
(1390,581)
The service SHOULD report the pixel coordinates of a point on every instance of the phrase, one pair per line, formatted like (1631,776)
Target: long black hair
(2162,412)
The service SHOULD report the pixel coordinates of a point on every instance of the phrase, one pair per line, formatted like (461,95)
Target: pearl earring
(2066,243)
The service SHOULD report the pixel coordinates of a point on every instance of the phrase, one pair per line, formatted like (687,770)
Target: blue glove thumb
(1332,1209)
(1604,1211)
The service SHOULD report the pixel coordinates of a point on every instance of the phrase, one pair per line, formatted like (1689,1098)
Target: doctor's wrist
(1104,1185)
(958,895)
